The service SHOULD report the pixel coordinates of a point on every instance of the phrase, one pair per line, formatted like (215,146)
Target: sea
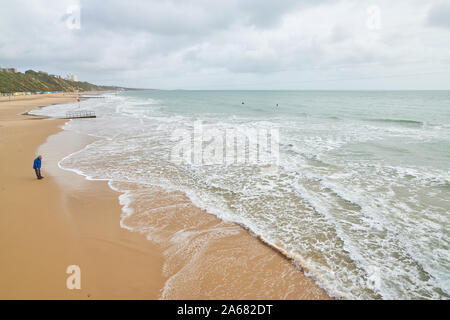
(352,186)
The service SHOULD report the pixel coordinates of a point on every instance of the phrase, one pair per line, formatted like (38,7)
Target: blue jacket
(37,163)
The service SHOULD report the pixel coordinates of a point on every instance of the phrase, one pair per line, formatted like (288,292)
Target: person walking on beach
(37,167)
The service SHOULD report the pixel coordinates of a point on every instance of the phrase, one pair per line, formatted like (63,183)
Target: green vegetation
(32,81)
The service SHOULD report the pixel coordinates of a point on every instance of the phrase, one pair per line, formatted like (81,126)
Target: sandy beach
(65,220)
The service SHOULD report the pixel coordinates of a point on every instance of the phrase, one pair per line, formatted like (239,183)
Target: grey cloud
(155,17)
(195,17)
(268,13)
(148,43)
(439,15)
(340,34)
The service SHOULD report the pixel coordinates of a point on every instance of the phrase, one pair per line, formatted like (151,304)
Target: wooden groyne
(80,114)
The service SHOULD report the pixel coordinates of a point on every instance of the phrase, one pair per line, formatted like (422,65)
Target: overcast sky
(233,44)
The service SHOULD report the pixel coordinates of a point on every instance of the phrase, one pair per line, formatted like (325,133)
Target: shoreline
(88,204)
(42,236)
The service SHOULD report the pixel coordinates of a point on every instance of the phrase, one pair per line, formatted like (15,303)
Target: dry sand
(65,220)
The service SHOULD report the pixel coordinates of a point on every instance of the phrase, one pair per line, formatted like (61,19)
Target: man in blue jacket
(37,167)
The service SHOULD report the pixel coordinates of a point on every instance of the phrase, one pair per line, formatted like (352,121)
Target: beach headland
(66,220)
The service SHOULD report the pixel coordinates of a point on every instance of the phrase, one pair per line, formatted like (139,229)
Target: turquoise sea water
(359,196)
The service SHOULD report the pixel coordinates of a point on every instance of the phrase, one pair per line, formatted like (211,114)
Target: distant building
(72,77)
(13,70)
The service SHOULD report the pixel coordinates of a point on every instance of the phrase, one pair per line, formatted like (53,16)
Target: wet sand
(180,251)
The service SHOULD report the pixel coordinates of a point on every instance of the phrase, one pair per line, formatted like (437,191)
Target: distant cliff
(32,81)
